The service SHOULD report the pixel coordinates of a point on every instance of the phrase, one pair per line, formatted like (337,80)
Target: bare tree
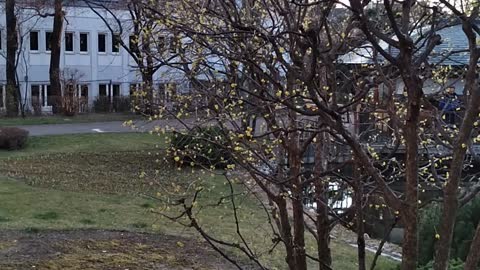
(266,60)
(464,138)
(143,39)
(12,100)
(56,48)
(282,64)
(45,9)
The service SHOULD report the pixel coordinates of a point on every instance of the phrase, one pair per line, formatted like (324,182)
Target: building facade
(92,60)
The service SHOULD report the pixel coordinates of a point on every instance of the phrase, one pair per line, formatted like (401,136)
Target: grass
(100,181)
(58,119)
(88,143)
(32,208)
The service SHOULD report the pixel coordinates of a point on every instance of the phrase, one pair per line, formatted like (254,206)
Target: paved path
(98,127)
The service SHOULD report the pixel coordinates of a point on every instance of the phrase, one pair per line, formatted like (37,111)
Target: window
(33,41)
(50,97)
(83,42)
(69,42)
(102,43)
(171,89)
(133,43)
(133,89)
(36,96)
(2,95)
(162,91)
(116,90)
(84,91)
(161,43)
(102,90)
(174,43)
(48,41)
(115,43)
(82,95)
(69,90)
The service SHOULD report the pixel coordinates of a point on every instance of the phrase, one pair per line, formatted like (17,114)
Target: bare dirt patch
(112,250)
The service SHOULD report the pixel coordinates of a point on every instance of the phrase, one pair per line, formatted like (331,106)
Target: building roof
(453,40)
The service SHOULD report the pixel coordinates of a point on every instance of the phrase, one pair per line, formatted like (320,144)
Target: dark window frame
(134,44)
(162,44)
(84,47)
(116,43)
(100,86)
(31,41)
(84,90)
(69,42)
(116,88)
(102,48)
(48,41)
(2,89)
(49,93)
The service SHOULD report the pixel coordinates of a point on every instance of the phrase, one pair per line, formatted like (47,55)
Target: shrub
(121,104)
(467,220)
(70,105)
(12,138)
(428,228)
(37,108)
(117,104)
(202,146)
(454,264)
(102,104)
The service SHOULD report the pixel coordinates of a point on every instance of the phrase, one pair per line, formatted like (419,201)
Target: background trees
(144,39)
(316,137)
(258,66)
(278,61)
(13,96)
(56,48)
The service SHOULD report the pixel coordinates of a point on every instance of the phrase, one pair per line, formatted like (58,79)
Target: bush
(428,228)
(454,264)
(70,105)
(121,104)
(202,146)
(12,138)
(102,104)
(117,104)
(467,220)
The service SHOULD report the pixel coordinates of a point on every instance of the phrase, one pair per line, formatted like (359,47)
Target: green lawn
(103,181)
(59,119)
(102,142)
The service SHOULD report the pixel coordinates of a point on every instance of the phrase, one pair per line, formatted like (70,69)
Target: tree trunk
(321,200)
(410,239)
(410,212)
(299,252)
(56,45)
(12,97)
(148,86)
(294,174)
(359,218)
(450,192)
(286,232)
(473,257)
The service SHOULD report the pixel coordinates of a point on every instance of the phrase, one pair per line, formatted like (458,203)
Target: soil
(112,250)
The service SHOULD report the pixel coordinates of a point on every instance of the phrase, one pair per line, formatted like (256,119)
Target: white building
(89,55)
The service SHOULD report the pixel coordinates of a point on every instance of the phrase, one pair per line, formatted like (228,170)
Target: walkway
(98,127)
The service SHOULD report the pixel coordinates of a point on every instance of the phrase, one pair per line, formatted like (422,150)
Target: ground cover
(89,184)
